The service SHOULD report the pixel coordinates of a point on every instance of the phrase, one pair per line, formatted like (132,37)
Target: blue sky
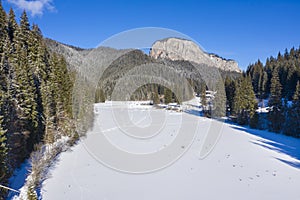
(241,30)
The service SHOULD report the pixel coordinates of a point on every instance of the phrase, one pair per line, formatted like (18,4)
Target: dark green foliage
(219,101)
(155,98)
(230,93)
(3,153)
(277,80)
(292,126)
(288,68)
(276,109)
(168,96)
(244,101)
(205,108)
(35,93)
(99,96)
(254,121)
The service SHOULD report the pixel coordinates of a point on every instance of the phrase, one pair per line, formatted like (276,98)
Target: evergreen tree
(35,93)
(262,86)
(155,98)
(3,27)
(3,153)
(99,96)
(275,115)
(244,101)
(230,93)
(12,27)
(256,72)
(292,126)
(204,101)
(168,95)
(219,100)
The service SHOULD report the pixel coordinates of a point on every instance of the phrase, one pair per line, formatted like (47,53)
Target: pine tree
(3,153)
(3,27)
(292,126)
(256,72)
(35,93)
(204,101)
(244,101)
(12,27)
(219,100)
(262,86)
(168,96)
(99,96)
(275,115)
(155,98)
(230,93)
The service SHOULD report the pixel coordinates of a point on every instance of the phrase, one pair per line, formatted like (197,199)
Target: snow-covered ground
(244,163)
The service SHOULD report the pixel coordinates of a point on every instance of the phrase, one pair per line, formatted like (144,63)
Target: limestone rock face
(181,49)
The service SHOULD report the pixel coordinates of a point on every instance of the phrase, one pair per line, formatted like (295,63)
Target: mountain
(105,66)
(181,49)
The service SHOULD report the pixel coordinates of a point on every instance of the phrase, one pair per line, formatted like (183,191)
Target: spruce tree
(292,126)
(155,98)
(3,152)
(168,95)
(275,115)
(99,96)
(244,101)
(3,26)
(204,101)
(230,93)
(35,92)
(12,26)
(219,100)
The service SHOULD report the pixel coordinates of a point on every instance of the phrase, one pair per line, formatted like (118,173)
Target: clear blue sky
(241,30)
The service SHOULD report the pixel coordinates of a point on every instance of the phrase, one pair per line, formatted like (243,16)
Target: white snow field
(244,163)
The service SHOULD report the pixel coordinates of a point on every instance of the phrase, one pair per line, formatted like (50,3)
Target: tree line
(35,93)
(276,81)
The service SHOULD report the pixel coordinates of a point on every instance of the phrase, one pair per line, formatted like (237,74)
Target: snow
(18,179)
(24,176)
(244,164)
(263,110)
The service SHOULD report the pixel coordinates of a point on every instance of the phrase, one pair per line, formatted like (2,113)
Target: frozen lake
(157,156)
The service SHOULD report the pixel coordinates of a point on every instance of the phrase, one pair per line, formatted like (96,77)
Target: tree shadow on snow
(276,142)
(193,112)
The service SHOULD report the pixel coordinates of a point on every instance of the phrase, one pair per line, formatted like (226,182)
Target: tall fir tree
(168,95)
(292,126)
(275,103)
(3,146)
(204,100)
(35,93)
(3,27)
(12,27)
(245,102)
(230,93)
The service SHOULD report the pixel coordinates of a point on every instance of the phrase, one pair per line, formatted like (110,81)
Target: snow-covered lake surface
(244,163)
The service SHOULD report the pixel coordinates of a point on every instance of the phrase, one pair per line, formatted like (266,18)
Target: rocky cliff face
(181,49)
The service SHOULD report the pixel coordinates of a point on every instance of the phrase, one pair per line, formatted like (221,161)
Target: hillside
(106,66)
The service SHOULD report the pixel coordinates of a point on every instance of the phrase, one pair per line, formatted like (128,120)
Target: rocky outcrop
(181,49)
